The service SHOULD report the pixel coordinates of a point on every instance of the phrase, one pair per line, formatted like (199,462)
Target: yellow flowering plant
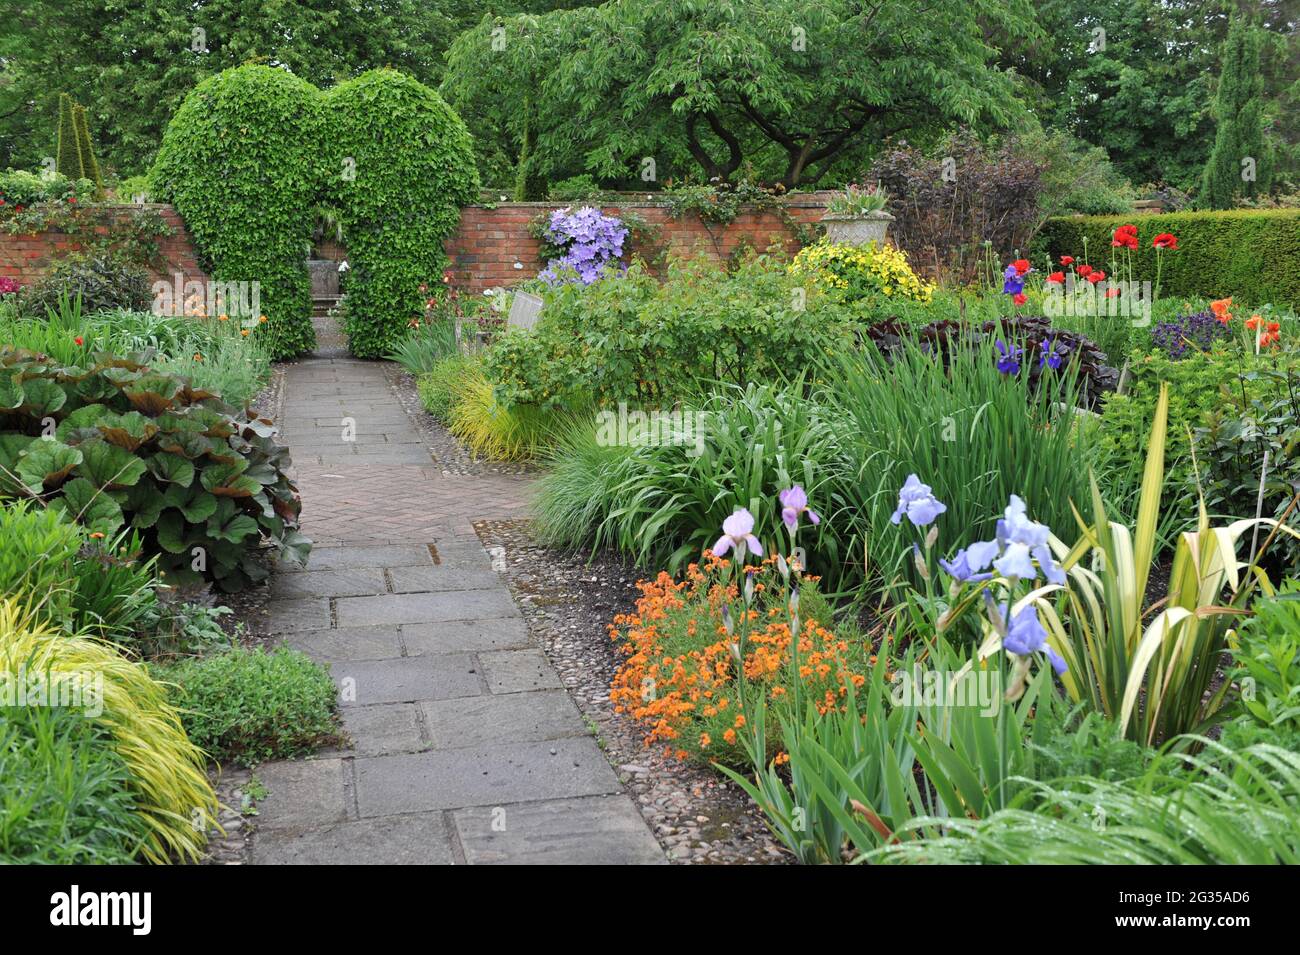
(855,273)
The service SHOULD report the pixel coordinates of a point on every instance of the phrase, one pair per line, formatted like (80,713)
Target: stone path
(467,749)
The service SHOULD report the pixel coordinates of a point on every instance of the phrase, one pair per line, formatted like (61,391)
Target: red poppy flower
(1085,270)
(1112,293)
(78,340)
(1095,277)
(1021,266)
(1165,240)
(1067,260)
(1057,277)
(1019,298)
(1126,236)
(72,199)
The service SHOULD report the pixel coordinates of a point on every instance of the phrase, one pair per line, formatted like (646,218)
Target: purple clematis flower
(1008,358)
(738,531)
(1026,635)
(794,501)
(918,502)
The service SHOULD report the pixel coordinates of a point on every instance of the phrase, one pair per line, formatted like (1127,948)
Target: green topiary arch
(253,150)
(401,166)
(240,162)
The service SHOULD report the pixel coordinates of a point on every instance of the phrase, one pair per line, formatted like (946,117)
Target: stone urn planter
(857,230)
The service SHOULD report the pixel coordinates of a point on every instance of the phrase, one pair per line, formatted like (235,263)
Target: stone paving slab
(416,839)
(408,580)
(355,557)
(469,636)
(482,776)
(591,830)
(425,608)
(510,717)
(403,680)
(301,613)
(349,643)
(517,671)
(302,794)
(330,583)
(386,728)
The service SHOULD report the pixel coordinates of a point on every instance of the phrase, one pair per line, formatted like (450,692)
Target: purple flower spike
(794,501)
(1008,358)
(737,530)
(918,502)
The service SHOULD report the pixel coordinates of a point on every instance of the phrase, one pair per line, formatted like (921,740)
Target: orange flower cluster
(1271,333)
(679,674)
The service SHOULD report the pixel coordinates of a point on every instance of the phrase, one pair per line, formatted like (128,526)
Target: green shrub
(202,482)
(239,162)
(632,339)
(102,280)
(1267,652)
(1247,254)
(444,383)
(67,795)
(67,156)
(76,582)
(86,150)
(21,188)
(400,166)
(246,706)
(1197,388)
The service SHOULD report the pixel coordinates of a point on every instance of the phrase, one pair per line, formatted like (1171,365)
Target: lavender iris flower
(794,501)
(1020,550)
(1026,635)
(960,567)
(738,529)
(918,502)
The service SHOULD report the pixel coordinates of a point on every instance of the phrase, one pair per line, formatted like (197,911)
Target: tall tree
(788,87)
(1239,163)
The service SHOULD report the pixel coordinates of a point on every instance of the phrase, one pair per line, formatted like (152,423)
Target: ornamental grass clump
(172,793)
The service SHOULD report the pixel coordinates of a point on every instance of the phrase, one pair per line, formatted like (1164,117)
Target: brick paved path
(466,746)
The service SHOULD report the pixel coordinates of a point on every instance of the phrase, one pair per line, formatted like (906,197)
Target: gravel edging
(698,816)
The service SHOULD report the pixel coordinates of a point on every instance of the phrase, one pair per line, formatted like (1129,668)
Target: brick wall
(28,257)
(493,246)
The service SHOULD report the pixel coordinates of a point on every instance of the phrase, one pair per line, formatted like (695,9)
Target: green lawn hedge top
(1248,254)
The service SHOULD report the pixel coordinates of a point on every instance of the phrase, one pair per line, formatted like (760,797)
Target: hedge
(1249,254)
(400,166)
(238,161)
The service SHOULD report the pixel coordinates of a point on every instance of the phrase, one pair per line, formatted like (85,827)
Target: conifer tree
(1238,163)
(85,151)
(67,157)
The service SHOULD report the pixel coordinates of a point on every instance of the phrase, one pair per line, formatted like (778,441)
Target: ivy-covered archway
(253,151)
